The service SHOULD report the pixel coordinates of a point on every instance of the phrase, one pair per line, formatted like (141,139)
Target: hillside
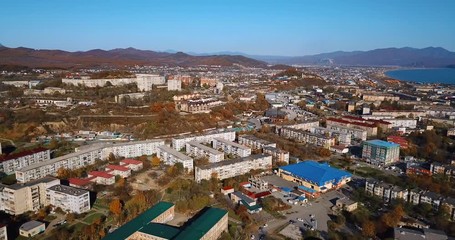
(117,57)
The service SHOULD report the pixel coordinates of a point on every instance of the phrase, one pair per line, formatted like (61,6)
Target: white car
(265,225)
(300,219)
(252,237)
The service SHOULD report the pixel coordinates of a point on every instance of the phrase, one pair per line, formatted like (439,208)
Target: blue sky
(267,27)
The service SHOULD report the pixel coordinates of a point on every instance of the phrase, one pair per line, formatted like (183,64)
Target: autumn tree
(156,161)
(368,229)
(116,207)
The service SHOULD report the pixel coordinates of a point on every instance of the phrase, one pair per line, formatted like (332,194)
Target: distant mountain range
(117,57)
(405,57)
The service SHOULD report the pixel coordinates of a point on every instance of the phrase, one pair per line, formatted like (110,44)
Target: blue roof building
(312,175)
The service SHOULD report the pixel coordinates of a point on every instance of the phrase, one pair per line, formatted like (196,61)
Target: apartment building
(85,156)
(10,163)
(386,192)
(174,85)
(371,129)
(231,147)
(171,156)
(199,150)
(400,113)
(232,168)
(340,137)
(307,137)
(305,125)
(180,142)
(31,196)
(395,122)
(144,82)
(68,198)
(198,105)
(277,154)
(379,97)
(254,142)
(380,152)
(356,134)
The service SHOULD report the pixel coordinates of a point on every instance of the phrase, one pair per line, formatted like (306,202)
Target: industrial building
(319,177)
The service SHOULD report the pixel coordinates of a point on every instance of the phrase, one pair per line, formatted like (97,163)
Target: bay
(430,75)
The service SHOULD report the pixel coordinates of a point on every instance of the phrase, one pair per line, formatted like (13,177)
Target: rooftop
(202,224)
(160,230)
(17,186)
(30,225)
(231,143)
(203,147)
(131,161)
(174,153)
(234,161)
(68,190)
(382,143)
(140,221)
(318,173)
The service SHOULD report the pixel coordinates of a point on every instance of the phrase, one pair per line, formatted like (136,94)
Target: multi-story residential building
(400,113)
(171,156)
(31,196)
(355,133)
(174,85)
(451,132)
(254,142)
(3,232)
(85,156)
(307,137)
(231,147)
(144,82)
(386,192)
(10,163)
(199,150)
(439,168)
(379,97)
(305,125)
(211,82)
(68,198)
(431,198)
(277,154)
(180,142)
(370,128)
(414,196)
(198,105)
(232,168)
(380,152)
(340,137)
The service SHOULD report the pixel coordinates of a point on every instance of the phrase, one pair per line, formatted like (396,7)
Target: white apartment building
(396,122)
(277,154)
(199,150)
(231,147)
(255,142)
(306,125)
(341,137)
(174,85)
(143,81)
(180,142)
(31,196)
(355,133)
(10,163)
(171,156)
(232,168)
(85,156)
(69,199)
(307,137)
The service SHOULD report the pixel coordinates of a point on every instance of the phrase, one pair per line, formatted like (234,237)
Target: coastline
(420,78)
